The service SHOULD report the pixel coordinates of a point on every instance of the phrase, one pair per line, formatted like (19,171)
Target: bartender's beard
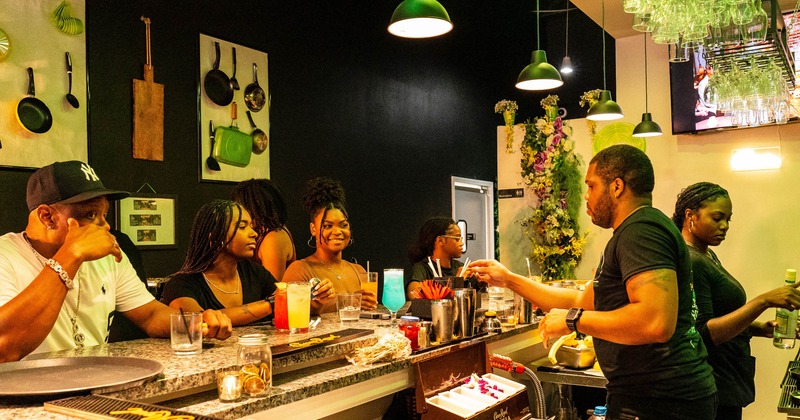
(603,211)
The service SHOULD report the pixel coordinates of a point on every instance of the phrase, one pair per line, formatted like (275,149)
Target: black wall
(391,118)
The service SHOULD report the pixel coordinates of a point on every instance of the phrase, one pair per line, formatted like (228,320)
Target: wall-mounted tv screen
(693,105)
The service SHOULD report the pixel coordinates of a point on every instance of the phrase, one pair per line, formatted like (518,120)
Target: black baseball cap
(67,182)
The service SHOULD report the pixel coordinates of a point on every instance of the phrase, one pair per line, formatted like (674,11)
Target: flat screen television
(693,109)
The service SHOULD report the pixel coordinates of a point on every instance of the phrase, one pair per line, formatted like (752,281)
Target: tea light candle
(229,385)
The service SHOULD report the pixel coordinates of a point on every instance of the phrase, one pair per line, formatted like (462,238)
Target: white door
(473,209)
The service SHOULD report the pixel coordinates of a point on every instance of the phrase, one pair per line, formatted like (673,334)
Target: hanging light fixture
(566,63)
(648,127)
(539,74)
(604,109)
(420,19)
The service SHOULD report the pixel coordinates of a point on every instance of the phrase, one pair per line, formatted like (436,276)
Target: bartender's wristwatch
(573,316)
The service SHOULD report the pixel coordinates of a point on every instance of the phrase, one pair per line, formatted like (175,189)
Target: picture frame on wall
(232,150)
(148,219)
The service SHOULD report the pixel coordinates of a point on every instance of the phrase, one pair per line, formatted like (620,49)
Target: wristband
(55,266)
(573,316)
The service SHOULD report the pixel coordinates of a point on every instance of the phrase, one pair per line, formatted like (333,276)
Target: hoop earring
(352,241)
(311,243)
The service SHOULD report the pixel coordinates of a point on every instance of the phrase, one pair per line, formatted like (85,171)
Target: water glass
(349,306)
(298,296)
(186,333)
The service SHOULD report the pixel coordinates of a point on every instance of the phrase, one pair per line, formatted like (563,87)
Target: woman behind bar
(324,201)
(726,320)
(274,245)
(218,272)
(439,239)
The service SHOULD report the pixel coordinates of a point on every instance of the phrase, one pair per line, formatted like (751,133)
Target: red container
(410,327)
(281,316)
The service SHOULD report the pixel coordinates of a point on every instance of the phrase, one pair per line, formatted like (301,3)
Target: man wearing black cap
(63,277)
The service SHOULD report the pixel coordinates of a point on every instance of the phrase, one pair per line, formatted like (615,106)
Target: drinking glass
(186,333)
(281,309)
(394,296)
(298,296)
(371,283)
(349,306)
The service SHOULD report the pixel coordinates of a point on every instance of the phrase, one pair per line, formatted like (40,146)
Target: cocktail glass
(394,296)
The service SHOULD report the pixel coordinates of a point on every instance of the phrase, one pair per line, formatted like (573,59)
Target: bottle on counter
(599,413)
(491,323)
(786,320)
(254,356)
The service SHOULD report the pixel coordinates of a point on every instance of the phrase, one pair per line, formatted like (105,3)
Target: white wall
(761,243)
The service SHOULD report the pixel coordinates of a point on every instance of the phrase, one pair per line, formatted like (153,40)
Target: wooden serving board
(343,335)
(148,120)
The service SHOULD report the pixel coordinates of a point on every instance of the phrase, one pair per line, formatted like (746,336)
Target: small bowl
(795,396)
(795,373)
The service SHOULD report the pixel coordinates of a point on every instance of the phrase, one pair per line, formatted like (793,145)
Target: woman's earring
(311,243)
(352,241)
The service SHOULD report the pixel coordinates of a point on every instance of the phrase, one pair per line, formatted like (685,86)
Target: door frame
(487,188)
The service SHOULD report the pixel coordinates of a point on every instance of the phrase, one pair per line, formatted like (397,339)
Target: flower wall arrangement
(551,171)
(588,99)
(509,111)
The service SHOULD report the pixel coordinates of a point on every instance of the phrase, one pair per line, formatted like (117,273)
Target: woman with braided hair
(726,319)
(324,201)
(274,245)
(219,272)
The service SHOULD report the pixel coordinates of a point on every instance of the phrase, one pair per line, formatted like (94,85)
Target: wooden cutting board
(148,112)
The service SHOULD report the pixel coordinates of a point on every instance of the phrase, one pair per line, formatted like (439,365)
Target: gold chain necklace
(235,292)
(77,336)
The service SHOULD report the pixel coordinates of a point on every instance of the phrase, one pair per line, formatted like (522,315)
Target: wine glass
(394,296)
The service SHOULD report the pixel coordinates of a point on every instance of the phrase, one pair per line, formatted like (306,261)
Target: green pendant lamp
(648,127)
(539,74)
(604,109)
(420,19)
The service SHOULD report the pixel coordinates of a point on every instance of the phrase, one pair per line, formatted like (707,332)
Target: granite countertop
(296,376)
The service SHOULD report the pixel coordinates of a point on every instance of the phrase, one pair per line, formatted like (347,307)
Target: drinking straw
(463,268)
(438,264)
(528,261)
(186,324)
(430,264)
(367,269)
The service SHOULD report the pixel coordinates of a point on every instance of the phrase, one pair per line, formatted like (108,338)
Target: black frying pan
(32,114)
(254,96)
(217,84)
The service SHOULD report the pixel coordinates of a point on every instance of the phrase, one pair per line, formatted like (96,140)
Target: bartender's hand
(553,325)
(490,271)
(216,325)
(368,300)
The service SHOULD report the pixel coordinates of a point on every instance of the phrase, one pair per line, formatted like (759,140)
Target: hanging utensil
(217,84)
(148,111)
(32,114)
(234,82)
(260,138)
(254,96)
(70,97)
(210,161)
(233,147)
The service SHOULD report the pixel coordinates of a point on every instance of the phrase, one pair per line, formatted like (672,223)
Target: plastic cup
(349,306)
(186,333)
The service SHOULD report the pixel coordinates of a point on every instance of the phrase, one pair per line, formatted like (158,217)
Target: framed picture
(232,150)
(148,219)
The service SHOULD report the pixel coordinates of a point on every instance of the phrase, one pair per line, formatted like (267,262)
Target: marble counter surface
(189,383)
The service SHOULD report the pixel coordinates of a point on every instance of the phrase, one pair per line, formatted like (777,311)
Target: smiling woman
(324,201)
(218,273)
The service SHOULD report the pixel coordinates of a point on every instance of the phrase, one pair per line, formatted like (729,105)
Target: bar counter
(316,382)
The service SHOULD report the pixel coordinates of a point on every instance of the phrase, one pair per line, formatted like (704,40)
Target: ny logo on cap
(89,172)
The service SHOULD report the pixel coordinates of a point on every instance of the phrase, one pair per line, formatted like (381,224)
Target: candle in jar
(229,385)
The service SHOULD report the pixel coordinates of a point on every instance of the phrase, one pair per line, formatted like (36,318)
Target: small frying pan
(32,114)
(217,84)
(260,138)
(254,96)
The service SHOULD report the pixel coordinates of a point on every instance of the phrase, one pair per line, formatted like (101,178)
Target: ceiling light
(566,63)
(539,74)
(648,127)
(420,19)
(604,109)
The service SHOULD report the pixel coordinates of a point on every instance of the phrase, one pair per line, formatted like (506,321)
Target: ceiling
(618,23)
